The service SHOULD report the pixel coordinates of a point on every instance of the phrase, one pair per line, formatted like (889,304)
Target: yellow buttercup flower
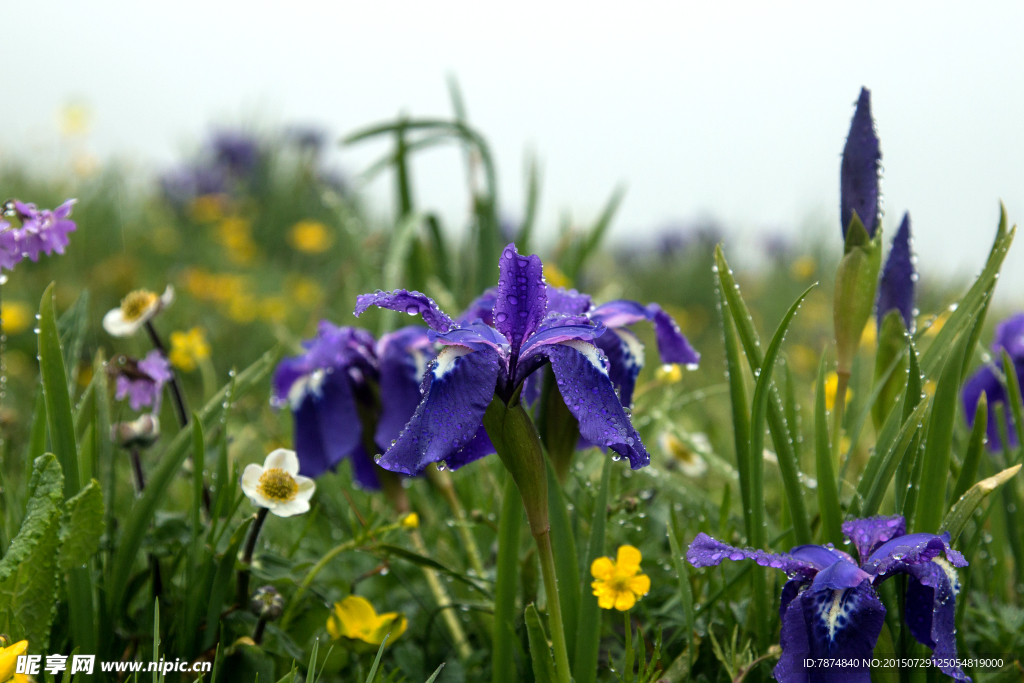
(619,584)
(410,521)
(9,662)
(831,387)
(16,317)
(555,277)
(188,349)
(236,235)
(355,618)
(208,208)
(304,291)
(312,237)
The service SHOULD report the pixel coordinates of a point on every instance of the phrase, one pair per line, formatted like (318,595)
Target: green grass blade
(60,421)
(437,672)
(588,626)
(685,591)
(540,651)
(792,413)
(376,662)
(170,464)
(828,494)
(965,506)
(972,304)
(507,580)
(776,421)
(740,416)
(938,445)
(892,458)
(532,204)
(567,566)
(975,447)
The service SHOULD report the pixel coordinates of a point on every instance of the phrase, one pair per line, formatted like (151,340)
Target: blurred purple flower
(829,605)
(235,151)
(142,382)
(896,287)
(1009,337)
(307,138)
(329,390)
(41,231)
(180,186)
(858,176)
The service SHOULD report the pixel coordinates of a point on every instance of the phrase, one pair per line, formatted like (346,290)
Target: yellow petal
(624,600)
(606,600)
(356,615)
(602,568)
(9,658)
(628,559)
(640,584)
(391,622)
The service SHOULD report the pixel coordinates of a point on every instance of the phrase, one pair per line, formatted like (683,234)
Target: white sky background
(736,110)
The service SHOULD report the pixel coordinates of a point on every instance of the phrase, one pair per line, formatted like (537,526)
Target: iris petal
(931,611)
(404,301)
(858,175)
(705,551)
(403,358)
(896,286)
(903,551)
(625,355)
(521,302)
(479,446)
(868,534)
(327,426)
(456,393)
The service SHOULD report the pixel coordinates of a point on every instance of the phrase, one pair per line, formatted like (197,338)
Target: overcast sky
(736,110)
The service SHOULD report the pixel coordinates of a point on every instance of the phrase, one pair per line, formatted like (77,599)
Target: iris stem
(547,568)
(242,585)
(628,673)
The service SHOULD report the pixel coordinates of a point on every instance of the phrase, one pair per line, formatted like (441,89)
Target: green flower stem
(242,584)
(442,481)
(323,562)
(628,673)
(547,568)
(444,602)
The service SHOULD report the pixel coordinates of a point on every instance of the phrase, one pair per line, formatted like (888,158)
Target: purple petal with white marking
(842,624)
(522,302)
(567,301)
(475,335)
(404,301)
(706,551)
(557,329)
(858,176)
(327,426)
(896,286)
(620,313)
(456,392)
(931,611)
(404,355)
(868,534)
(903,551)
(625,355)
(581,376)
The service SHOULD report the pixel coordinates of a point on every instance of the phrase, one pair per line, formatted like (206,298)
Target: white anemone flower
(136,310)
(686,456)
(277,485)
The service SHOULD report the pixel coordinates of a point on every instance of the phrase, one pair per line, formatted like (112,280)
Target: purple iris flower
(478,362)
(235,151)
(184,184)
(335,384)
(41,231)
(858,175)
(829,607)
(622,348)
(142,382)
(896,287)
(1009,337)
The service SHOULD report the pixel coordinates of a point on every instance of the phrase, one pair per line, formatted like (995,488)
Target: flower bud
(856,284)
(267,603)
(141,432)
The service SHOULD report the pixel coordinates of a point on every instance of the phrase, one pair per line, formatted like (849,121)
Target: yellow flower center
(137,303)
(277,485)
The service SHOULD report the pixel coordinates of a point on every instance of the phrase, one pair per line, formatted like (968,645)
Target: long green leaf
(975,447)
(938,445)
(1016,402)
(776,420)
(962,510)
(55,390)
(567,566)
(221,581)
(892,459)
(828,494)
(376,662)
(740,416)
(170,464)
(507,579)
(685,592)
(540,651)
(588,626)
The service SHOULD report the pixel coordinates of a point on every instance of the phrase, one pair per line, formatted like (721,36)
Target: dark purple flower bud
(858,176)
(896,288)
(236,151)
